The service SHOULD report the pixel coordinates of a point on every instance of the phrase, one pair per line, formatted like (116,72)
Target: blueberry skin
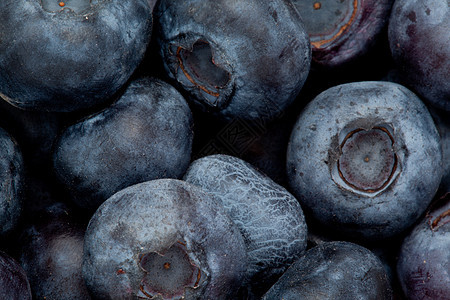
(51,255)
(419,36)
(355,35)
(12,179)
(259,51)
(61,59)
(442,121)
(314,151)
(150,218)
(334,270)
(13,279)
(269,217)
(146,134)
(424,259)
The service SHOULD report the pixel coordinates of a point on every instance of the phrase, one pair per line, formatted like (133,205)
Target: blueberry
(12,179)
(442,121)
(163,239)
(51,255)
(419,36)
(146,134)
(69,55)
(343,31)
(334,270)
(246,59)
(424,260)
(269,217)
(364,159)
(13,279)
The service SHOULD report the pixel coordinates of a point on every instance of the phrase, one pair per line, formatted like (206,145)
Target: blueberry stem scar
(367,159)
(318,44)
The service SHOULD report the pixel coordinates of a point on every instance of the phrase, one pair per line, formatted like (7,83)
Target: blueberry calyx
(197,70)
(367,162)
(77,6)
(325,27)
(169,273)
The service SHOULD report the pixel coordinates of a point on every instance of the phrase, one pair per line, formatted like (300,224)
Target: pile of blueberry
(225,149)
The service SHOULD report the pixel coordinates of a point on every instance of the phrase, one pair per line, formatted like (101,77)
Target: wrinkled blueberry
(334,270)
(419,38)
(246,59)
(69,55)
(11,183)
(424,260)
(51,255)
(342,31)
(364,159)
(163,238)
(146,134)
(13,279)
(269,217)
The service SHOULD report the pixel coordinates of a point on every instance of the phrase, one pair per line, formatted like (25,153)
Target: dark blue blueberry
(11,183)
(343,31)
(334,270)
(146,134)
(365,159)
(71,56)
(269,217)
(51,255)
(246,59)
(424,260)
(163,239)
(13,279)
(419,39)
(442,121)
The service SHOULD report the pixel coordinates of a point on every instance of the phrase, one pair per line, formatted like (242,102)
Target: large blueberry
(269,217)
(13,279)
(334,270)
(163,239)
(364,159)
(343,31)
(419,38)
(11,183)
(51,254)
(69,55)
(146,134)
(246,59)
(423,265)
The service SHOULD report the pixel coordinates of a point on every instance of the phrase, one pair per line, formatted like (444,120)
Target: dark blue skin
(146,134)
(13,279)
(69,58)
(335,43)
(11,183)
(334,270)
(51,254)
(245,59)
(269,217)
(442,120)
(419,39)
(424,259)
(394,173)
(142,223)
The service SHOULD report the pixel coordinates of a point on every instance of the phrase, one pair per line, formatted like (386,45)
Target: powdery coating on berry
(424,259)
(423,59)
(314,150)
(269,217)
(334,270)
(147,134)
(151,217)
(77,6)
